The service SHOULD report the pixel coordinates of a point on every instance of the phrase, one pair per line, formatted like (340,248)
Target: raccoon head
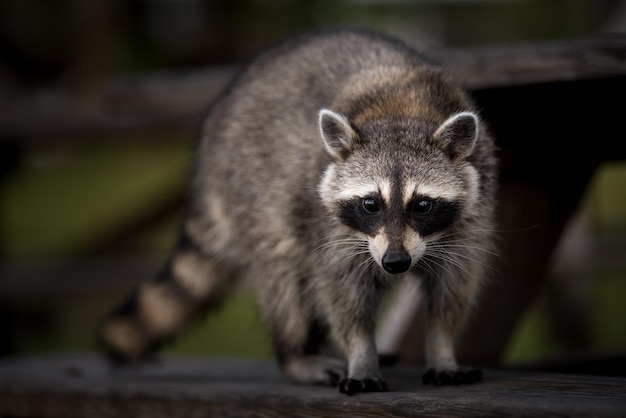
(399,187)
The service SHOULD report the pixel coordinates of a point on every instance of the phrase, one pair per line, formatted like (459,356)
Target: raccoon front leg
(351,308)
(448,302)
(363,369)
(297,334)
(160,309)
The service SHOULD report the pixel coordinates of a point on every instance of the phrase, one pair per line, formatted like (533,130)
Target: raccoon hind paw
(451,377)
(315,369)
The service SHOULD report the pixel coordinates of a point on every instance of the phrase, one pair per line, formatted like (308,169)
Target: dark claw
(374,385)
(446,378)
(352,386)
(349,386)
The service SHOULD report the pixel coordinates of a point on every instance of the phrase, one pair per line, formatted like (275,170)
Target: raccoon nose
(396,262)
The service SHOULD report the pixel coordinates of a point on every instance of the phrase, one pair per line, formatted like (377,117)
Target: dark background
(85,213)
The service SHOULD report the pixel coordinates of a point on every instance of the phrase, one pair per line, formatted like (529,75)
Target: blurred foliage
(608,199)
(63,199)
(533,340)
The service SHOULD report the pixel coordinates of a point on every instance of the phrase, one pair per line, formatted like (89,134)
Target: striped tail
(160,309)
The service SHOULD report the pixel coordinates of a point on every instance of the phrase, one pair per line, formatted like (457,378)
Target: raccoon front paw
(448,377)
(351,386)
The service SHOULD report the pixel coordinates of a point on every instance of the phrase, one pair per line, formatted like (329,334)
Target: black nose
(396,262)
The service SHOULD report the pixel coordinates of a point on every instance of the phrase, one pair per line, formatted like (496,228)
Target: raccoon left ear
(339,137)
(458,134)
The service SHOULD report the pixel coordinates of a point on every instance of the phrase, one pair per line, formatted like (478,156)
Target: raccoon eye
(422,206)
(370,205)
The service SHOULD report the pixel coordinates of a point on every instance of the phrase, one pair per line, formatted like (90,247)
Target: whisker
(443,281)
(468,258)
(341,246)
(449,258)
(338,243)
(450,244)
(434,258)
(360,268)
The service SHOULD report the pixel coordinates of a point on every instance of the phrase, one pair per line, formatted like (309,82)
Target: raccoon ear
(458,134)
(339,137)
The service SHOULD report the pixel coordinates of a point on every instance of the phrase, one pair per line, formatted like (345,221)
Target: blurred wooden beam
(179,99)
(509,65)
(34,280)
(153,101)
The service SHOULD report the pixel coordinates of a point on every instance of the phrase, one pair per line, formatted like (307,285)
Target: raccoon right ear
(458,134)
(339,137)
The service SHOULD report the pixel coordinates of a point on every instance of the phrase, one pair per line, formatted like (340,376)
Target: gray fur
(308,127)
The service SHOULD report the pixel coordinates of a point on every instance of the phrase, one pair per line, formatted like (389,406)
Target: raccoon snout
(395,262)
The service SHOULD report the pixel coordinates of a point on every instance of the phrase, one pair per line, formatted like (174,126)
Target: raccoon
(333,165)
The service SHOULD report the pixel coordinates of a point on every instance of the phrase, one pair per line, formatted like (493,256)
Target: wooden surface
(83,386)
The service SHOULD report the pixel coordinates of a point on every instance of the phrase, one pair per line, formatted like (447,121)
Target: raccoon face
(398,194)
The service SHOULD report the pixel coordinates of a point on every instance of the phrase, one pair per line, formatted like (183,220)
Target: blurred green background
(85,216)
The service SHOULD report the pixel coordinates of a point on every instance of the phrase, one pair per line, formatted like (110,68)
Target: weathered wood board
(84,386)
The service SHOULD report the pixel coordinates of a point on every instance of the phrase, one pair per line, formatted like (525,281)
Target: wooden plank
(26,281)
(179,99)
(151,101)
(82,385)
(508,65)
